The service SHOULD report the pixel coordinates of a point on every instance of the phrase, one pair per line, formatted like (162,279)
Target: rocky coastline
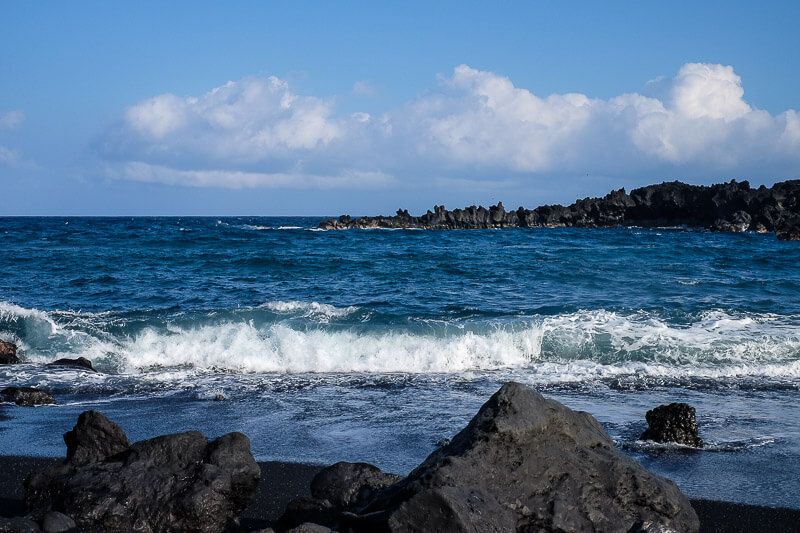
(731,207)
(523,463)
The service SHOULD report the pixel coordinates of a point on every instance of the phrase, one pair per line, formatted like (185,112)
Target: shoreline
(283,481)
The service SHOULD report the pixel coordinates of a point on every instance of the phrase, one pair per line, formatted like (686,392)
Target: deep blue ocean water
(374,345)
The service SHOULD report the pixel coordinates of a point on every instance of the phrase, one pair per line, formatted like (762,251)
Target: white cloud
(245,121)
(11,119)
(704,126)
(478,125)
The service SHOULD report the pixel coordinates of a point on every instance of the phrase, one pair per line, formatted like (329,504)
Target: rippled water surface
(374,345)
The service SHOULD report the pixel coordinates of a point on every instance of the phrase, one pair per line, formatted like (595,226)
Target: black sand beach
(281,482)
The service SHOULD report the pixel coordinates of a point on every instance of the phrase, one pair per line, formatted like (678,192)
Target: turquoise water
(374,345)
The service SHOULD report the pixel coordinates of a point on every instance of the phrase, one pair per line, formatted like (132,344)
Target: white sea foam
(572,347)
(257,228)
(309,309)
(245,348)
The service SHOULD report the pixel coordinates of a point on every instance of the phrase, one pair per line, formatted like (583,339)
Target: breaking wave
(312,337)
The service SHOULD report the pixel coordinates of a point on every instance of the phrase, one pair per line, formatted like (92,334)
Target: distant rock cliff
(733,206)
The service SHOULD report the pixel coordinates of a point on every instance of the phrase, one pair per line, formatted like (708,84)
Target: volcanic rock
(8,353)
(732,206)
(93,439)
(80,362)
(26,396)
(525,463)
(350,485)
(789,230)
(336,491)
(675,422)
(179,482)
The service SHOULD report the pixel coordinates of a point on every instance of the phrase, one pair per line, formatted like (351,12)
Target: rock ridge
(732,207)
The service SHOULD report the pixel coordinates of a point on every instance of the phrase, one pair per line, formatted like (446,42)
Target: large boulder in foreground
(178,482)
(8,353)
(525,463)
(675,422)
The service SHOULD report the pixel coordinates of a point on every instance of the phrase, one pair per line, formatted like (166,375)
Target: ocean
(375,345)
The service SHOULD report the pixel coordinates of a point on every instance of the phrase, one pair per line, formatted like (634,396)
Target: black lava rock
(732,206)
(675,422)
(93,439)
(8,353)
(178,482)
(524,463)
(80,362)
(26,396)
(350,485)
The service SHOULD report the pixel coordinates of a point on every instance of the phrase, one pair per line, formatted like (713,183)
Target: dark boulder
(80,362)
(525,463)
(350,485)
(8,353)
(178,482)
(26,396)
(675,422)
(335,492)
(93,439)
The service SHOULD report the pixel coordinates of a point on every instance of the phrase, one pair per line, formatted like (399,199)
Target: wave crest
(312,337)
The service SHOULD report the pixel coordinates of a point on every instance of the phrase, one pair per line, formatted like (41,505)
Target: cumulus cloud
(704,124)
(11,119)
(258,132)
(245,121)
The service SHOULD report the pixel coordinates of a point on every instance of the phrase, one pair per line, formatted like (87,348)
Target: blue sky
(276,108)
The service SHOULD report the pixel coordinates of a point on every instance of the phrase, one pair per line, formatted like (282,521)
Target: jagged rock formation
(524,463)
(675,422)
(733,206)
(181,482)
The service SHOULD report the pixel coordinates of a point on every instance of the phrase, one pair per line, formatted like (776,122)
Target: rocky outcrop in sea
(732,206)
(675,422)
